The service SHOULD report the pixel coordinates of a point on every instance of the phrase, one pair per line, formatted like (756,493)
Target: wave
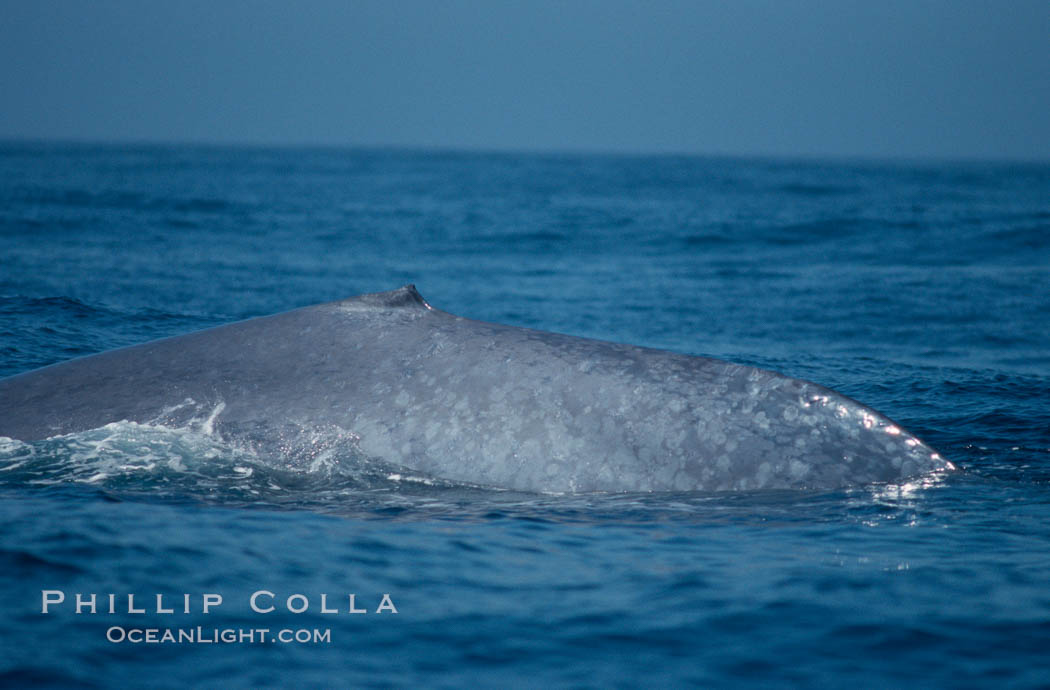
(290,466)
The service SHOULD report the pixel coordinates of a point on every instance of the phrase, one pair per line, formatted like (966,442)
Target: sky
(878,78)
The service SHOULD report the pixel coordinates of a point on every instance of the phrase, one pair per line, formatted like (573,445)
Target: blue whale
(478,402)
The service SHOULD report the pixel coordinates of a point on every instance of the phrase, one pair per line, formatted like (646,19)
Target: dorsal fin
(403,297)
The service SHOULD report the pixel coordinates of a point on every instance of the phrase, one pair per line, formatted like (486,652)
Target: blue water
(921,289)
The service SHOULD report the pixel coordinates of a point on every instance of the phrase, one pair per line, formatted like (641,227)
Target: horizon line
(463,149)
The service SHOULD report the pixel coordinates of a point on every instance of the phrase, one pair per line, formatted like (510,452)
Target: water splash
(194,460)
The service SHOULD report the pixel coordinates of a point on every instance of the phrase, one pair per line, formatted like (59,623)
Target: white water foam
(196,456)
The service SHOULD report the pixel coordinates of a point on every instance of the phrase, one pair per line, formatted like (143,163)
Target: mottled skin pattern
(480,402)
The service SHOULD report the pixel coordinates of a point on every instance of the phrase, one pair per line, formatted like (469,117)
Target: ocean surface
(921,289)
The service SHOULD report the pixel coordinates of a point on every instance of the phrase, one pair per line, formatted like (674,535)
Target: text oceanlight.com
(201,635)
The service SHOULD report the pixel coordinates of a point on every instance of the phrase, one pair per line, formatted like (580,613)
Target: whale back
(480,402)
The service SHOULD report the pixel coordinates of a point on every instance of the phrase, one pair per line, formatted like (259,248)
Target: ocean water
(919,288)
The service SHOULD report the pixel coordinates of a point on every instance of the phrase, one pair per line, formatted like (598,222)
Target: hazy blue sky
(881,78)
